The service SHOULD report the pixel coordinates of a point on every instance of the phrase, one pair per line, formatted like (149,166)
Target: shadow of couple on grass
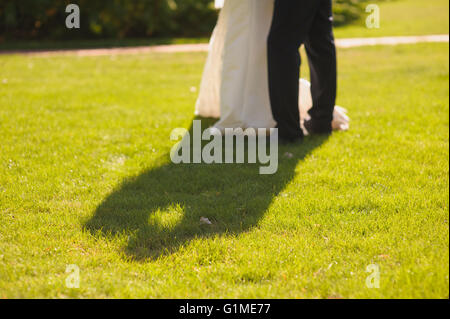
(160,210)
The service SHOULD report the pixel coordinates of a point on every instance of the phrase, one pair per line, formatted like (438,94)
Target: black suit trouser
(297,22)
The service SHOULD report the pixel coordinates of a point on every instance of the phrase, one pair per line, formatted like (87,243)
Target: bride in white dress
(235,85)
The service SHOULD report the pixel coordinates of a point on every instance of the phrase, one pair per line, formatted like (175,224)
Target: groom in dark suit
(297,22)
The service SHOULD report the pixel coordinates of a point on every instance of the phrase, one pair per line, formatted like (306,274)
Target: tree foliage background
(45,19)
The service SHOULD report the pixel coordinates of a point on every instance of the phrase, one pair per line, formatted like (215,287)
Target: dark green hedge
(45,19)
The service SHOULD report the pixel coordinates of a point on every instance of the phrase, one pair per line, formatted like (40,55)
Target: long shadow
(161,209)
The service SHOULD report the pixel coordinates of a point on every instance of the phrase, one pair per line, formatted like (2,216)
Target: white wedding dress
(235,85)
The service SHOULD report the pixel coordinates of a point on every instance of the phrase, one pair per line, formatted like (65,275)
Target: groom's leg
(290,25)
(321,53)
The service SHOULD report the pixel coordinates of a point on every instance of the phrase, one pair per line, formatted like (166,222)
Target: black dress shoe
(317,128)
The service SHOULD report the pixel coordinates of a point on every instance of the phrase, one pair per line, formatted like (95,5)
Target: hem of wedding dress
(240,131)
(341,122)
(206,115)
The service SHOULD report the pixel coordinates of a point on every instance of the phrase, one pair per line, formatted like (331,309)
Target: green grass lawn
(85,179)
(95,43)
(403,17)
